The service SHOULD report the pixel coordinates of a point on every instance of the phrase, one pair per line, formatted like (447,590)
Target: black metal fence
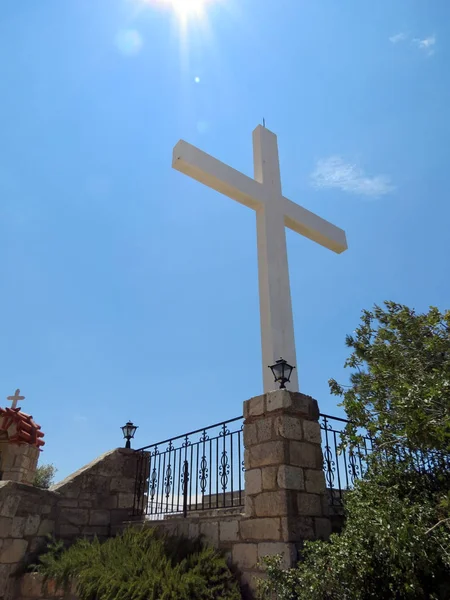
(203,469)
(342,464)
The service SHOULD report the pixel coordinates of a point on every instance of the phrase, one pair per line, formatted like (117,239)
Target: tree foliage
(396,540)
(44,476)
(400,380)
(140,565)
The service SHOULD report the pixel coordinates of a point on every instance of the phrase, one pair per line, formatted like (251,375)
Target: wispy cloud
(334,172)
(398,37)
(129,42)
(427,45)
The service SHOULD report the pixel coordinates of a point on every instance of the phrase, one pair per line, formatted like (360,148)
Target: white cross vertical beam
(277,323)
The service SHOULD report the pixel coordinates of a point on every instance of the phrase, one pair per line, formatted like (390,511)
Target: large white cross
(274,212)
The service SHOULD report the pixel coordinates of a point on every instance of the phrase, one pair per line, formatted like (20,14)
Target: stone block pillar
(284,478)
(18,462)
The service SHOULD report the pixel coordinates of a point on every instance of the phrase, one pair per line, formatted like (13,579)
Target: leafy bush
(44,476)
(140,565)
(389,548)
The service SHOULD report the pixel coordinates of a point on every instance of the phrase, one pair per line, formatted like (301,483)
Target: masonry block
(269,478)
(286,550)
(13,550)
(269,453)
(314,481)
(297,529)
(253,481)
(289,427)
(311,432)
(290,478)
(261,529)
(304,454)
(210,532)
(273,504)
(309,504)
(278,400)
(229,531)
(264,427)
(245,556)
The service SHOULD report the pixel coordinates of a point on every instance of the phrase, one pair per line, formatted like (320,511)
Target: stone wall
(96,500)
(99,498)
(27,515)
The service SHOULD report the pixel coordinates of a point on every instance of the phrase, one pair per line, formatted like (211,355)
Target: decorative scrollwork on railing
(224,470)
(153,484)
(186,442)
(353,467)
(204,437)
(168,480)
(170,447)
(155,451)
(224,431)
(203,474)
(329,466)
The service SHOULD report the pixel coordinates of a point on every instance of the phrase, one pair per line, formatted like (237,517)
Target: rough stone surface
(255,406)
(278,400)
(290,478)
(304,454)
(245,556)
(314,481)
(261,529)
(210,532)
(286,550)
(271,504)
(269,453)
(289,427)
(253,482)
(12,551)
(269,478)
(297,529)
(229,531)
(309,504)
(311,432)
(264,427)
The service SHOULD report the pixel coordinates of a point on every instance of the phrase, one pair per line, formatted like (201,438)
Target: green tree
(44,476)
(396,540)
(400,384)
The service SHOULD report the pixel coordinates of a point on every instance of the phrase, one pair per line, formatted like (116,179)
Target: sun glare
(187,8)
(184,9)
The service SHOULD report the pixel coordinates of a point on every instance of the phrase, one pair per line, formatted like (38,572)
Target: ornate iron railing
(342,464)
(203,469)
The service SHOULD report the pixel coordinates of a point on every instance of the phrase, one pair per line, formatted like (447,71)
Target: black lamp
(128,431)
(282,372)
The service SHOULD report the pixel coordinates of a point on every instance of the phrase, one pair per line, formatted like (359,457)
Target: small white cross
(274,212)
(15,399)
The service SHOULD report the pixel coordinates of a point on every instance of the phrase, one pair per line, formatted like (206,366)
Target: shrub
(389,548)
(44,476)
(140,565)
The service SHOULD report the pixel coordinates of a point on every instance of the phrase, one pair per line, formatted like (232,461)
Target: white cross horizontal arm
(314,227)
(217,175)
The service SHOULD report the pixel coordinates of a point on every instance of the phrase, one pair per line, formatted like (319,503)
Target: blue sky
(130,291)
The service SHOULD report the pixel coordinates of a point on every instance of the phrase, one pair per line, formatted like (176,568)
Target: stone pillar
(18,462)
(285,500)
